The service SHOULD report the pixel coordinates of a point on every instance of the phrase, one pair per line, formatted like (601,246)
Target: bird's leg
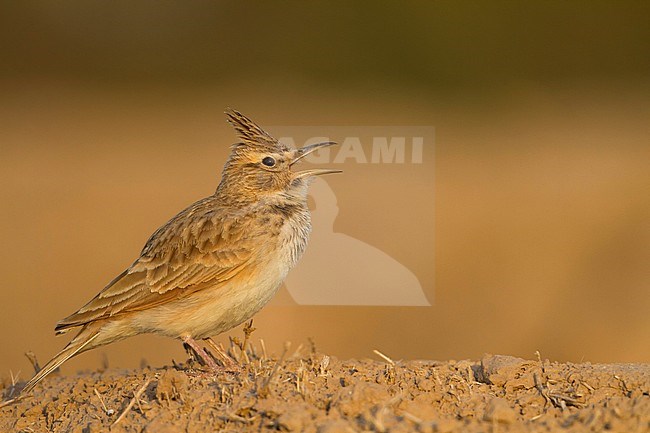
(207,359)
(228,363)
(191,354)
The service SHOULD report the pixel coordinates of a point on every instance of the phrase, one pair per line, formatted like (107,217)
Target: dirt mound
(319,393)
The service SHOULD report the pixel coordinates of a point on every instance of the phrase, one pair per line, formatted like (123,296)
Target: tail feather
(76,346)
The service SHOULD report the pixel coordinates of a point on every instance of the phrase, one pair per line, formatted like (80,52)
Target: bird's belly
(212,311)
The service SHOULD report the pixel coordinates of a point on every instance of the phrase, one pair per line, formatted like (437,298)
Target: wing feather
(192,252)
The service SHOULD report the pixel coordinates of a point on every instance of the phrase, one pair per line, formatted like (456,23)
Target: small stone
(171,385)
(498,410)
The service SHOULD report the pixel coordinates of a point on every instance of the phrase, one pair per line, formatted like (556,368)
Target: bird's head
(261,168)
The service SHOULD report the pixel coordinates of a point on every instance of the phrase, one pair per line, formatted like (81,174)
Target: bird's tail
(77,345)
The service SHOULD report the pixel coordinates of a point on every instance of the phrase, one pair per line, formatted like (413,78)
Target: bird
(213,265)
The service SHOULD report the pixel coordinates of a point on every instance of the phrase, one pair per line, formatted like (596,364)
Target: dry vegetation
(303,390)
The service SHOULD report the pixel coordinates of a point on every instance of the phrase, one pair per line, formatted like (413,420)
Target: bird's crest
(251,134)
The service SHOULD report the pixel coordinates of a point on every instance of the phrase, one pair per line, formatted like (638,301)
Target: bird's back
(205,247)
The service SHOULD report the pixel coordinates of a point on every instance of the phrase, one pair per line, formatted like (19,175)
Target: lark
(216,263)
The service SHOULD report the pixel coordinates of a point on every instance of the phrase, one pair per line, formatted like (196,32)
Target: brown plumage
(216,263)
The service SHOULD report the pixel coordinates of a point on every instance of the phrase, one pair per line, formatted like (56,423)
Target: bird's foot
(229,364)
(202,356)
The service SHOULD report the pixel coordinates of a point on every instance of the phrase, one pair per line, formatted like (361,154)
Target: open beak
(306,150)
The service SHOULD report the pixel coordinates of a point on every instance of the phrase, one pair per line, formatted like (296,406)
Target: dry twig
(136,396)
(384,357)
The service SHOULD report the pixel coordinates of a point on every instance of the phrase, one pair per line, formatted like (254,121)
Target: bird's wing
(188,254)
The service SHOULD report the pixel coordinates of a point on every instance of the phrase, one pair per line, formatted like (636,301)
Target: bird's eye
(268,161)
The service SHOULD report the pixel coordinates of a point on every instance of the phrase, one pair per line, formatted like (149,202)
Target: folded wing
(194,251)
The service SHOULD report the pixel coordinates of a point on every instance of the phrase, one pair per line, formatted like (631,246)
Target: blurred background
(527,223)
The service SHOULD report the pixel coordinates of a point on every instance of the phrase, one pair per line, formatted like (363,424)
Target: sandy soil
(304,390)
